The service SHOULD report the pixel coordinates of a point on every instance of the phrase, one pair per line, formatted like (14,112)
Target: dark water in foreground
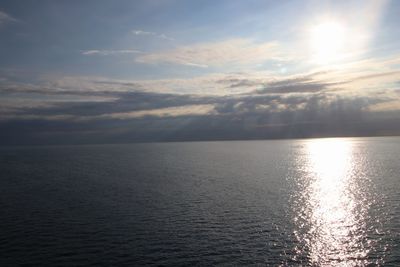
(317,202)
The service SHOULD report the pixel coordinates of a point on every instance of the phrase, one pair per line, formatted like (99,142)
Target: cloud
(299,84)
(174,117)
(4,18)
(229,94)
(236,82)
(218,84)
(185,110)
(391,105)
(109,52)
(235,51)
(264,83)
(207,84)
(146,33)
(121,103)
(128,105)
(96,109)
(369,77)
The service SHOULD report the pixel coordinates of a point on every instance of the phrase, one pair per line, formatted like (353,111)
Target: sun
(327,42)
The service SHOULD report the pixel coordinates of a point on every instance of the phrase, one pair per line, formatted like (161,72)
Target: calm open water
(315,202)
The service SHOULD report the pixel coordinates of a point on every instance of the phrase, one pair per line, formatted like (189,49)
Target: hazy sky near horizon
(106,71)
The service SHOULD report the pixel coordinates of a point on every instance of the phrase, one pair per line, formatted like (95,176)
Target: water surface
(315,202)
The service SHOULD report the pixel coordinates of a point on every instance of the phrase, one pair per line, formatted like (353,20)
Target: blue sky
(93,53)
(49,36)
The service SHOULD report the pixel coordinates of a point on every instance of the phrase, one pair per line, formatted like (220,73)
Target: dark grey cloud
(249,116)
(308,83)
(302,84)
(125,102)
(294,88)
(376,75)
(233,105)
(238,82)
(129,84)
(216,127)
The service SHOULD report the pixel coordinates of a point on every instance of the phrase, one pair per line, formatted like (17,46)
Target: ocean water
(312,202)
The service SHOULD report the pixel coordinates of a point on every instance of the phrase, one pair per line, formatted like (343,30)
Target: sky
(96,71)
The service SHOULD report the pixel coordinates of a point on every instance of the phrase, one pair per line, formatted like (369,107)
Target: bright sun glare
(327,42)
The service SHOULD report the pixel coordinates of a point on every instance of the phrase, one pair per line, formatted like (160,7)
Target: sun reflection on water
(330,220)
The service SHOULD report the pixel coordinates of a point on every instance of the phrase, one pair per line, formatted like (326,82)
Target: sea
(305,202)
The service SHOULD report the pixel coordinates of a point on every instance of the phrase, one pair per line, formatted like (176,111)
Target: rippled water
(315,202)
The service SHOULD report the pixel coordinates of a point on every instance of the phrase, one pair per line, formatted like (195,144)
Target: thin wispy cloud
(5,18)
(233,51)
(95,52)
(154,34)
